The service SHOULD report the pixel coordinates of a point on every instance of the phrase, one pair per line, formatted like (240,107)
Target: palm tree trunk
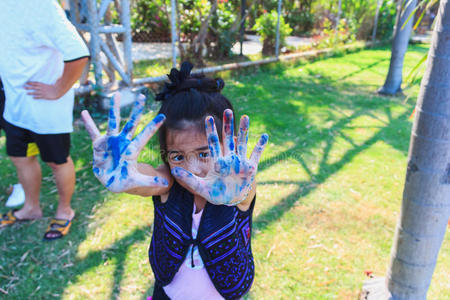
(402,33)
(426,196)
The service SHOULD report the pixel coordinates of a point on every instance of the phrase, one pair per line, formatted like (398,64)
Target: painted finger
(213,138)
(144,136)
(194,182)
(92,129)
(228,132)
(114,115)
(242,137)
(259,148)
(142,180)
(136,113)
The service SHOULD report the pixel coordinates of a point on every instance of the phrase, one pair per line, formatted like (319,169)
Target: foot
(66,214)
(29,213)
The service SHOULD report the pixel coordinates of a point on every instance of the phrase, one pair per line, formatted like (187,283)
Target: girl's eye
(203,154)
(176,157)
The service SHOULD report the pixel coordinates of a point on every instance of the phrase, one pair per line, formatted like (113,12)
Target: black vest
(223,241)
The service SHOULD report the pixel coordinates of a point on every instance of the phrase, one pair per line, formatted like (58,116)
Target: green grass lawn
(329,193)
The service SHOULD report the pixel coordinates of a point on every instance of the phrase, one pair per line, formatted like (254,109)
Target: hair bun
(183,80)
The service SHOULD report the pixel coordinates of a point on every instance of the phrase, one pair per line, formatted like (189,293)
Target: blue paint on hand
(222,167)
(112,124)
(161,180)
(218,189)
(96,170)
(264,139)
(213,143)
(159,118)
(236,164)
(124,172)
(117,146)
(110,181)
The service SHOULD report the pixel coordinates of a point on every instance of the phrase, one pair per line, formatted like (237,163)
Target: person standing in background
(17,194)
(41,57)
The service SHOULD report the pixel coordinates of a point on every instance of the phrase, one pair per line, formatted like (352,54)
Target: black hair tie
(181,80)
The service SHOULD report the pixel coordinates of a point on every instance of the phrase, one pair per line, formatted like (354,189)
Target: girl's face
(188,148)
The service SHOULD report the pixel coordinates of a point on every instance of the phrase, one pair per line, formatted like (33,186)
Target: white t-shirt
(192,282)
(36,38)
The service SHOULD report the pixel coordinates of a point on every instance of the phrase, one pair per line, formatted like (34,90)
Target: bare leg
(29,173)
(65,182)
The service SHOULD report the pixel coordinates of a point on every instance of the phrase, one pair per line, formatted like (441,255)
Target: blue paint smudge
(96,170)
(124,171)
(117,145)
(231,145)
(112,124)
(218,189)
(211,123)
(213,142)
(159,118)
(110,181)
(161,180)
(264,139)
(223,167)
(236,163)
(127,128)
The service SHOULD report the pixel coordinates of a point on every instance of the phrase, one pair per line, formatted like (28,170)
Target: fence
(133,42)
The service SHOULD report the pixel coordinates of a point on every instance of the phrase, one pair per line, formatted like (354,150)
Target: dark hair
(190,98)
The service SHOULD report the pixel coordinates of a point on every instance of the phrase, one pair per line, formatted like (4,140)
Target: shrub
(266,28)
(224,30)
(150,19)
(329,38)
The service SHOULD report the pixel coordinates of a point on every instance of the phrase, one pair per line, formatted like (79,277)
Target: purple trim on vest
(222,237)
(177,227)
(173,232)
(173,254)
(158,211)
(221,230)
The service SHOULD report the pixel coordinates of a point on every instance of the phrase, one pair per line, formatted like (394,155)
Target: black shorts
(54,148)
(2,103)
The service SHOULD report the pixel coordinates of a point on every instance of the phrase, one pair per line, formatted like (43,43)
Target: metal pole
(173,28)
(277,41)
(241,38)
(375,22)
(94,43)
(127,44)
(338,18)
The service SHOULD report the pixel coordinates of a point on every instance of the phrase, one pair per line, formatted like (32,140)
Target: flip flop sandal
(57,229)
(9,219)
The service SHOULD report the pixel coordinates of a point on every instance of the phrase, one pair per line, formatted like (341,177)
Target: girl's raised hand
(230,180)
(115,153)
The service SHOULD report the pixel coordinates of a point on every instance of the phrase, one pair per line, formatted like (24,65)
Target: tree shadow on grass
(33,268)
(326,114)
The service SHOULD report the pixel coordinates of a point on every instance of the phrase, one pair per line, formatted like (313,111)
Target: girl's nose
(197,167)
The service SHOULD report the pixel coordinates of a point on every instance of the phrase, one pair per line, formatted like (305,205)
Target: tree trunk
(393,81)
(426,196)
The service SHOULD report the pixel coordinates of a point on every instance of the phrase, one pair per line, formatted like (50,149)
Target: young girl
(203,194)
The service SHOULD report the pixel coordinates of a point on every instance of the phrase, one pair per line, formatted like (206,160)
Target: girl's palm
(231,178)
(115,153)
